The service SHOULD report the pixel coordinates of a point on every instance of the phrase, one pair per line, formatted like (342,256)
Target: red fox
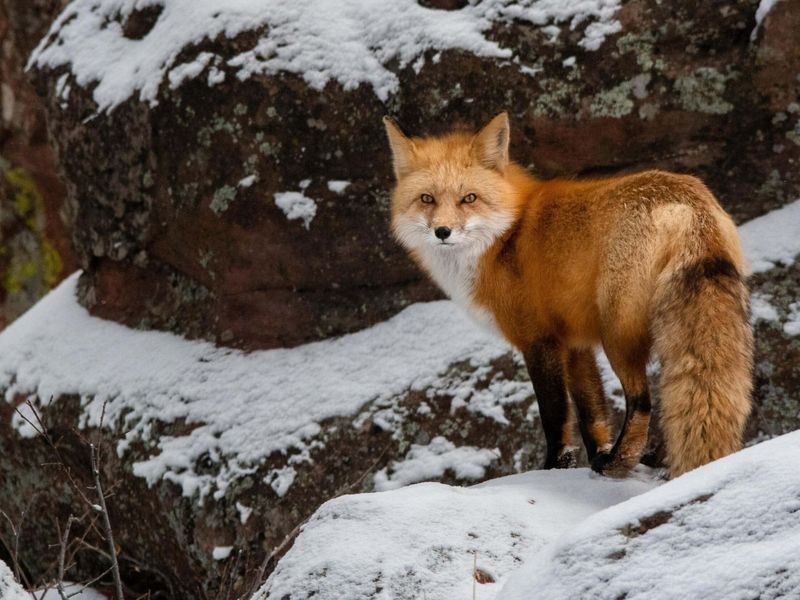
(640,263)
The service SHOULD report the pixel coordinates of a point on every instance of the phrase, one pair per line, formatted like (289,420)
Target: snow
(58,349)
(432,461)
(9,588)
(73,591)
(221,552)
(481,395)
(296,205)
(773,238)
(419,541)
(761,308)
(348,41)
(182,73)
(244,512)
(792,325)
(338,186)
(761,12)
(281,480)
(727,530)
(246,182)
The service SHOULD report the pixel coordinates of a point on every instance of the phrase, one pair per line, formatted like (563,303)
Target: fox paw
(611,465)
(566,459)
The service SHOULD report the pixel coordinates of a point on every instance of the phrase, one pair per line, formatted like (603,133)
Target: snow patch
(246,182)
(296,205)
(9,588)
(792,325)
(481,395)
(189,70)
(244,512)
(338,186)
(431,461)
(773,238)
(73,591)
(281,480)
(729,529)
(761,12)
(221,552)
(761,308)
(419,541)
(348,41)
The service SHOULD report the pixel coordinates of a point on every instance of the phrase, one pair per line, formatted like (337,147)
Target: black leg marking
(631,441)
(586,390)
(544,362)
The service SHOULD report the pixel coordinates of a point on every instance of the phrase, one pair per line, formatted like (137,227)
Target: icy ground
(348,41)
(142,378)
(727,531)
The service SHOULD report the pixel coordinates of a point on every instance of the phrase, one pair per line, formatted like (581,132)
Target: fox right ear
(490,145)
(402,148)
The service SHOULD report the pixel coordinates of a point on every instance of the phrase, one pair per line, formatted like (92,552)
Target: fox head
(452,193)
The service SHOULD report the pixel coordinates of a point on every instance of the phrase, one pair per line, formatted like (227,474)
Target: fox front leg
(545,362)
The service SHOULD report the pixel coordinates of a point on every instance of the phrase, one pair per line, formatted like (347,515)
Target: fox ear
(490,145)
(402,148)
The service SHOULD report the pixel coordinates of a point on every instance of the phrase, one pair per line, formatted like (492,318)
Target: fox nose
(442,233)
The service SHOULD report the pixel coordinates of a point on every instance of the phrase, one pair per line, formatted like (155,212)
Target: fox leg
(632,372)
(545,362)
(586,390)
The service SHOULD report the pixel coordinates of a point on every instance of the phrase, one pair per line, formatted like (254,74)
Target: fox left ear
(402,148)
(490,145)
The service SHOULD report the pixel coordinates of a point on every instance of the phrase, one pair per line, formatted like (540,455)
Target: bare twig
(41,429)
(19,574)
(96,510)
(62,553)
(90,583)
(133,561)
(106,522)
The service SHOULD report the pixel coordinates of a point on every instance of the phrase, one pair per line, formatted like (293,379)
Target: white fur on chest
(455,271)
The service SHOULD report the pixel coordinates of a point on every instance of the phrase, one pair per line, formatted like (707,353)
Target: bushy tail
(702,335)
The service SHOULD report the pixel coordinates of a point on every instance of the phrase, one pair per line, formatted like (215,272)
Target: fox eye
(469,198)
(427,199)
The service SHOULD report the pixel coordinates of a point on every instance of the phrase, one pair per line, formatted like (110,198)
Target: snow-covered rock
(421,541)
(729,530)
(9,588)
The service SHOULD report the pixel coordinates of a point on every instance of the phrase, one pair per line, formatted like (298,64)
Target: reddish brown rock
(35,245)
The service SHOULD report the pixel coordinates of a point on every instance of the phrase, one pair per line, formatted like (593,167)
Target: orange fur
(632,263)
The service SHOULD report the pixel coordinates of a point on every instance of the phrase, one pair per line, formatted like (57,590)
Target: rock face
(252,211)
(172,234)
(35,246)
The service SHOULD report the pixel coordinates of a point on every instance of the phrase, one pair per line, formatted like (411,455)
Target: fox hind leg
(631,368)
(586,390)
(545,360)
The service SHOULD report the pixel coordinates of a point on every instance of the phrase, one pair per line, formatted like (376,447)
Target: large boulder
(561,535)
(227,179)
(202,155)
